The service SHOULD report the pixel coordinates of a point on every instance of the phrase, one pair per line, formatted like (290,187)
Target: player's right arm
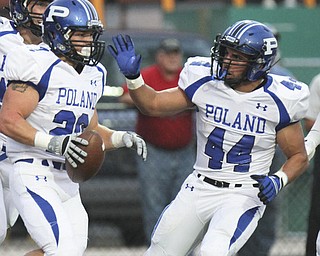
(21,99)
(149,101)
(160,103)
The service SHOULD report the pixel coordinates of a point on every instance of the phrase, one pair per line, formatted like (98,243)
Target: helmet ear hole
(58,26)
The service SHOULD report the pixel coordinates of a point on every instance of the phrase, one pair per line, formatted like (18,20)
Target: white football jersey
(236,132)
(9,39)
(67,98)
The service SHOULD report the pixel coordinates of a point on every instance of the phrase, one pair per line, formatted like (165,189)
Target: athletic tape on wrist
(116,139)
(282,176)
(134,84)
(42,140)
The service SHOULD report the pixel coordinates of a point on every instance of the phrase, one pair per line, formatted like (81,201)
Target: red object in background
(3,11)
(3,3)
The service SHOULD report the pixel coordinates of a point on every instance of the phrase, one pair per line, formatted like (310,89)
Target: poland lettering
(74,97)
(241,121)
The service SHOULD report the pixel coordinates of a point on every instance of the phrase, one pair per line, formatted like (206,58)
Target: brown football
(93,161)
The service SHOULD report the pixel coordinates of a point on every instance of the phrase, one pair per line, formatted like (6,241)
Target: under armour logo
(187,186)
(94,82)
(260,106)
(41,177)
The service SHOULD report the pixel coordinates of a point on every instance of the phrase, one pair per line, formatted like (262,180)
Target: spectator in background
(263,238)
(171,151)
(314,212)
(3,5)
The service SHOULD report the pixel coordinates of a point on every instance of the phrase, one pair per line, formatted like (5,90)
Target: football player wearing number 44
(242,112)
(57,85)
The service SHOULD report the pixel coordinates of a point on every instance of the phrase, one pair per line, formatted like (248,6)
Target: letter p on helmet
(58,11)
(270,43)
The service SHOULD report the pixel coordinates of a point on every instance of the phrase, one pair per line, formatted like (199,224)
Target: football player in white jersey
(242,112)
(22,28)
(57,85)
(312,141)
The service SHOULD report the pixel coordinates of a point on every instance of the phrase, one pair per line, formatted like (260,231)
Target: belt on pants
(56,165)
(222,184)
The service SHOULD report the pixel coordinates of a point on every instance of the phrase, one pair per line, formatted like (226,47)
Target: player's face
(36,8)
(81,41)
(236,63)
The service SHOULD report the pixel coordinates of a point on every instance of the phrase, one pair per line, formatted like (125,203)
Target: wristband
(42,140)
(116,139)
(134,84)
(282,176)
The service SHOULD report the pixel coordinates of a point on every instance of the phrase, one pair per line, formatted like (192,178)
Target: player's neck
(249,86)
(77,66)
(29,37)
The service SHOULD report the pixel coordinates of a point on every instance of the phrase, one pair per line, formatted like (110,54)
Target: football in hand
(92,162)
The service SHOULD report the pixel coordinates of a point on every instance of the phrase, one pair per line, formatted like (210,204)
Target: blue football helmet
(22,17)
(251,38)
(62,19)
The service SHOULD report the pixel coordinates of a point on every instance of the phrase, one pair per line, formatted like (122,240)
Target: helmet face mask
(251,39)
(72,29)
(25,13)
(232,66)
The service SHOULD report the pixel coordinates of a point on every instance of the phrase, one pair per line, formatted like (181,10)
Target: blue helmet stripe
(240,28)
(240,33)
(236,28)
(94,11)
(85,8)
(90,10)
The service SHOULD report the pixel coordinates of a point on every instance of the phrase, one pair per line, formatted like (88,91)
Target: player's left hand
(131,139)
(269,187)
(124,53)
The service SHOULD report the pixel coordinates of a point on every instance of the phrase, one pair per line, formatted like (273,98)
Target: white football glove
(130,139)
(65,146)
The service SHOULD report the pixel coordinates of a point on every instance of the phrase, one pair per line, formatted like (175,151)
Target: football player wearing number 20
(241,112)
(57,85)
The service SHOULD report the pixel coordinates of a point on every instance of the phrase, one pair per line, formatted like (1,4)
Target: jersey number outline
(291,85)
(72,123)
(239,154)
